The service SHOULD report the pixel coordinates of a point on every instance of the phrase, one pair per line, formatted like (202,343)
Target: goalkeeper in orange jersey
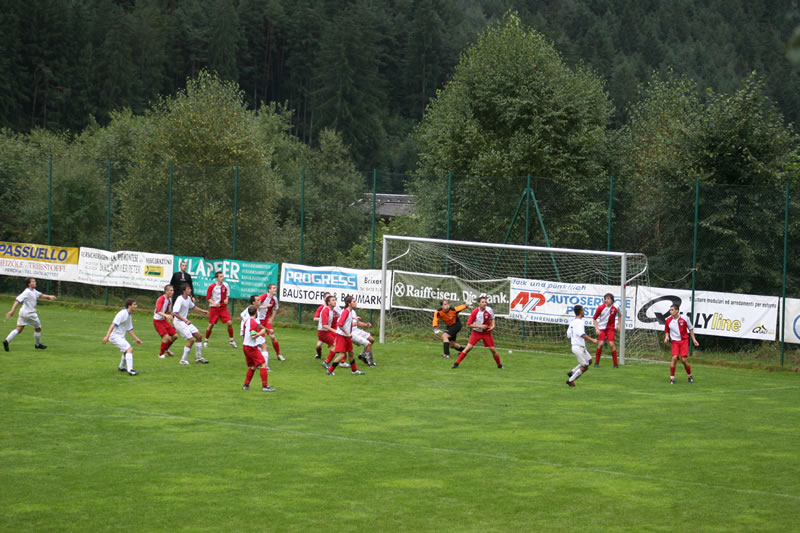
(449,315)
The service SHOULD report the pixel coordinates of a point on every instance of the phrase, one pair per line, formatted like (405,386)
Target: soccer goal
(533,290)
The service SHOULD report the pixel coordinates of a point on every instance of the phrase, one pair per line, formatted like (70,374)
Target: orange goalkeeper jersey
(449,317)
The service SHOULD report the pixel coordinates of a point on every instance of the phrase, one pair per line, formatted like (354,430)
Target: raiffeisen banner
(413,290)
(38,261)
(724,314)
(307,285)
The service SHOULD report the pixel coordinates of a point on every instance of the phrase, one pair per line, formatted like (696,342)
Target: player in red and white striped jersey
(326,327)
(606,325)
(482,322)
(253,334)
(162,321)
(317,314)
(344,341)
(266,311)
(678,330)
(217,296)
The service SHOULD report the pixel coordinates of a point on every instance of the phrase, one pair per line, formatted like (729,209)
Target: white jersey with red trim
(163,305)
(217,294)
(250,332)
(345,323)
(327,318)
(606,316)
(678,329)
(480,318)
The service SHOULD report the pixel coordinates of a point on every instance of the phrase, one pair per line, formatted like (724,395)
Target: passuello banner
(245,278)
(135,270)
(413,290)
(723,314)
(306,285)
(791,322)
(554,302)
(38,261)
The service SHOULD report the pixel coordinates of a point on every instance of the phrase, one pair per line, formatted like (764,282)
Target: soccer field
(413,445)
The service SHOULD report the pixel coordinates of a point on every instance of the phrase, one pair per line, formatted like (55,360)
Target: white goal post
(452,269)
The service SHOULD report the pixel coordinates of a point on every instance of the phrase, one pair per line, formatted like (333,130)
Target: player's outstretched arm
(108,333)
(137,339)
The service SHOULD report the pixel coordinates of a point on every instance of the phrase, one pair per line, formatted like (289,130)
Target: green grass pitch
(413,445)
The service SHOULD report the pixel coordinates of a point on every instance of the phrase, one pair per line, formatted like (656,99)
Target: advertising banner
(792,322)
(38,261)
(412,290)
(724,314)
(136,270)
(306,285)
(244,277)
(550,301)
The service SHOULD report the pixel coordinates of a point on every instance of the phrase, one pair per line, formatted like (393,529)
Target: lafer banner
(307,285)
(413,290)
(554,302)
(135,270)
(724,314)
(245,278)
(38,261)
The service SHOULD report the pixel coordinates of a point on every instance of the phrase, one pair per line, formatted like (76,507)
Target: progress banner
(723,314)
(244,277)
(306,285)
(38,261)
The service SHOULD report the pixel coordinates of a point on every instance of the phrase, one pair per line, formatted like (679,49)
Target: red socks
(276,346)
(689,370)
(230,332)
(461,357)
(672,372)
(497,359)
(598,353)
(164,347)
(263,376)
(614,357)
(249,377)
(208,333)
(331,354)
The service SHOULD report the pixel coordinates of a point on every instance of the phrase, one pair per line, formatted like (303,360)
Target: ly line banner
(38,261)
(792,322)
(244,277)
(136,270)
(412,290)
(554,302)
(307,285)
(723,314)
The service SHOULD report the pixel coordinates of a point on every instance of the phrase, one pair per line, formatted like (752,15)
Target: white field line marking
(452,451)
(728,391)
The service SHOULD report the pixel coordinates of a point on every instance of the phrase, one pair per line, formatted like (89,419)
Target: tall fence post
(235,208)
(610,210)
(169,223)
(694,249)
(50,211)
(374,203)
(785,273)
(108,213)
(449,205)
(302,231)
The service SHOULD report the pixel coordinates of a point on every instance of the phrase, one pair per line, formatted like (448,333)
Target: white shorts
(187,331)
(584,358)
(360,337)
(120,342)
(31,320)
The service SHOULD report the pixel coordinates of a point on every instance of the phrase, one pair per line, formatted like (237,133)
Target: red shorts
(680,348)
(487,339)
(343,344)
(609,335)
(267,323)
(163,327)
(218,313)
(328,337)
(253,355)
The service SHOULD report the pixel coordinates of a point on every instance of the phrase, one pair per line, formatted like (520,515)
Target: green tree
(513,108)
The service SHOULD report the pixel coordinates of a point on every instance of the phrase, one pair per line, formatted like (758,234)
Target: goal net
(532,290)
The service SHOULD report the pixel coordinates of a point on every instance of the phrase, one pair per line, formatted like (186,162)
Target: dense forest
(366,68)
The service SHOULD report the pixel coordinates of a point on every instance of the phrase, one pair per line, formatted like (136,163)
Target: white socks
(37,337)
(186,351)
(122,361)
(129,361)
(11,335)
(576,374)
(198,350)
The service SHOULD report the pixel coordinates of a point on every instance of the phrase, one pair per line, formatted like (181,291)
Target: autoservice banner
(38,261)
(724,314)
(554,302)
(306,285)
(412,290)
(245,278)
(136,270)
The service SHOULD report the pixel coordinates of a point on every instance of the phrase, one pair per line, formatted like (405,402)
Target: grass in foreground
(411,446)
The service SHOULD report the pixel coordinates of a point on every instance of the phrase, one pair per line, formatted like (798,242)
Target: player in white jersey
(122,324)
(253,334)
(363,338)
(344,340)
(576,332)
(27,314)
(180,313)
(244,316)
